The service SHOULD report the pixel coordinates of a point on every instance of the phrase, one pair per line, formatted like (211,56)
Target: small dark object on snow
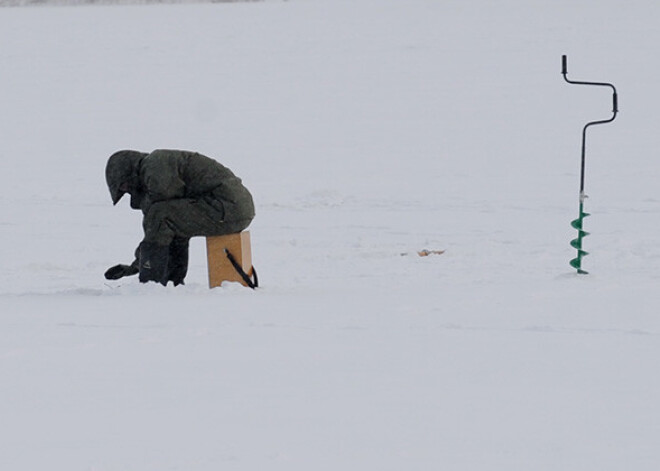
(426,252)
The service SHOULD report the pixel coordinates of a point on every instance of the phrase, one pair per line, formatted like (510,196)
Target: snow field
(366,130)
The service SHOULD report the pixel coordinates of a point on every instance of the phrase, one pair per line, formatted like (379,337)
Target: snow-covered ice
(367,130)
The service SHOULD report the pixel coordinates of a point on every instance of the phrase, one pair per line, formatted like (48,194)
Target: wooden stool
(230,259)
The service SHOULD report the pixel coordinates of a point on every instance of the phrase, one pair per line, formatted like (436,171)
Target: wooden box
(220,267)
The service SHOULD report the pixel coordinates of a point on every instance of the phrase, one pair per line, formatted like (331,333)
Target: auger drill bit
(579,222)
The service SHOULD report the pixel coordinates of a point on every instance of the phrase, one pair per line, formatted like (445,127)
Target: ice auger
(579,222)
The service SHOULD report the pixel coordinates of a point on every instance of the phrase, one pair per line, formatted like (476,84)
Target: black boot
(153,262)
(178,264)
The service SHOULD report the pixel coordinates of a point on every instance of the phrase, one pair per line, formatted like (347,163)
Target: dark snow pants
(186,218)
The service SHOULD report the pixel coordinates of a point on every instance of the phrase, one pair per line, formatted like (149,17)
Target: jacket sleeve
(162,180)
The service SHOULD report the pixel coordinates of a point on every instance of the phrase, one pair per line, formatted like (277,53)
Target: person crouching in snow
(181,194)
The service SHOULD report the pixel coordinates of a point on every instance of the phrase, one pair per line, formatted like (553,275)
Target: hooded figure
(181,195)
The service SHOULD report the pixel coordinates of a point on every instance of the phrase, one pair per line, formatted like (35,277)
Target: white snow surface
(367,130)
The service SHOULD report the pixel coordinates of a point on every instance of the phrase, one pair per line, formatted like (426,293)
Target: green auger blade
(577,264)
(577,223)
(577,242)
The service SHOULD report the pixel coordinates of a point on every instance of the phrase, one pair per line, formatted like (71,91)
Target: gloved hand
(120,271)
